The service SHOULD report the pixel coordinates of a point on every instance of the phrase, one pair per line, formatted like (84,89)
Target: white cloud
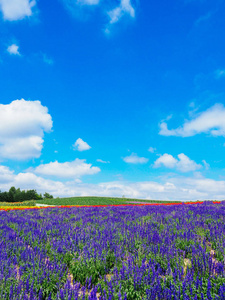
(166,160)
(183,163)
(151,149)
(16,9)
(219,74)
(73,169)
(102,161)
(22,128)
(80,145)
(80,8)
(205,187)
(31,181)
(211,121)
(134,159)
(83,8)
(13,49)
(125,7)
(22,148)
(175,188)
(6,175)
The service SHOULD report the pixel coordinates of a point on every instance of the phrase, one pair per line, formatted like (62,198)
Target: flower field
(113,252)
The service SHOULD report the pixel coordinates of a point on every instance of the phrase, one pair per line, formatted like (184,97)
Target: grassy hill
(96,201)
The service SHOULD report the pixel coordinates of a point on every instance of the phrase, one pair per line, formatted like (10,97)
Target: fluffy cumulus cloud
(80,145)
(183,163)
(134,159)
(73,169)
(200,188)
(211,121)
(165,160)
(27,181)
(174,188)
(6,175)
(13,10)
(22,128)
(124,8)
(13,49)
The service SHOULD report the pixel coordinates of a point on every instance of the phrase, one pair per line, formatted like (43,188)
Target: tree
(4,197)
(38,197)
(16,195)
(47,196)
(20,196)
(33,195)
(12,193)
(12,190)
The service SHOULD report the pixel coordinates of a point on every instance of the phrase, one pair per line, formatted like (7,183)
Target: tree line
(16,195)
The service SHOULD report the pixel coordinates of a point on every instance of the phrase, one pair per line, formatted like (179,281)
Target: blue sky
(112,98)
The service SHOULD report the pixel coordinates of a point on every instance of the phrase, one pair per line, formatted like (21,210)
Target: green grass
(95,201)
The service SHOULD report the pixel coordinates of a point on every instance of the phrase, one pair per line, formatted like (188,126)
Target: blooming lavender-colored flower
(142,248)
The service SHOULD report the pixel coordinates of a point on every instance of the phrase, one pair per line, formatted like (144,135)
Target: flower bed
(14,207)
(114,252)
(15,204)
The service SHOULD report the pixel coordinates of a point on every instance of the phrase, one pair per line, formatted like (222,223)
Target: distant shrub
(47,196)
